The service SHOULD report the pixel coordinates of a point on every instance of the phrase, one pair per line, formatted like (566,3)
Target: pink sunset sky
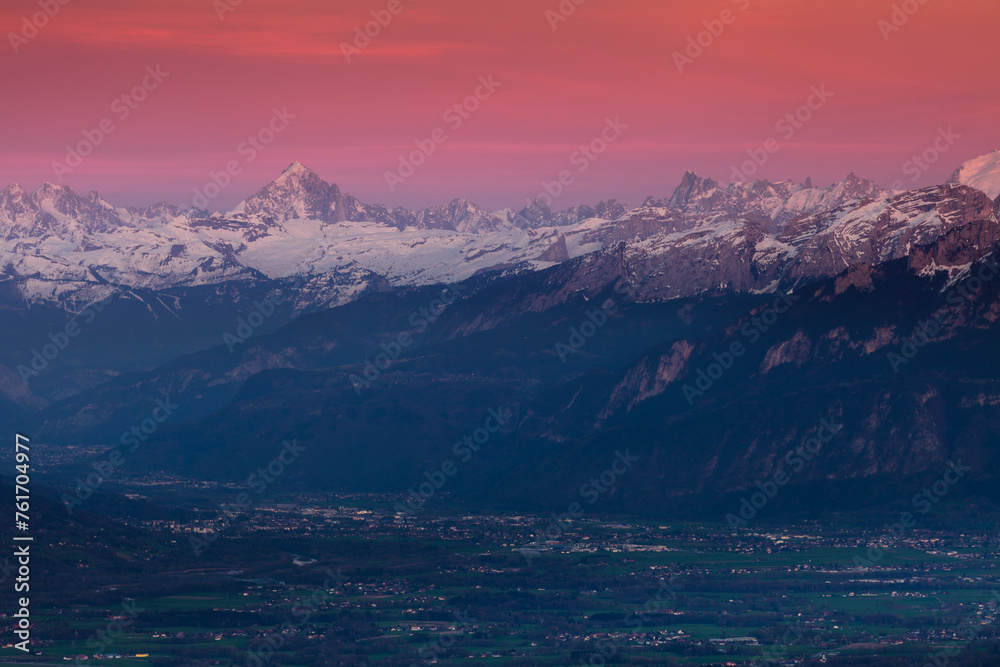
(892,91)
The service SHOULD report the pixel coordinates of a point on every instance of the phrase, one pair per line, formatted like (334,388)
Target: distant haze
(609,59)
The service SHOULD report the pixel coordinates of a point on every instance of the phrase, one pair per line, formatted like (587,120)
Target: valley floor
(349,580)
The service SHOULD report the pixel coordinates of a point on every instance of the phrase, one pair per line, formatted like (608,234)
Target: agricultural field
(329,581)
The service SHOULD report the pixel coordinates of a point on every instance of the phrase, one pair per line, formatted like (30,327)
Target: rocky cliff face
(981,173)
(297,194)
(55,211)
(662,379)
(692,256)
(855,350)
(460,216)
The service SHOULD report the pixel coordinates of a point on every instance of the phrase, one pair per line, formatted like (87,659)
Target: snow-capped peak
(690,187)
(298,193)
(49,189)
(981,173)
(296,169)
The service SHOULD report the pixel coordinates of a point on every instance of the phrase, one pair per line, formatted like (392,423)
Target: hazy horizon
(559,79)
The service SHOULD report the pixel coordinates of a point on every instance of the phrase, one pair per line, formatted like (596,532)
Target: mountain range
(58,246)
(820,287)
